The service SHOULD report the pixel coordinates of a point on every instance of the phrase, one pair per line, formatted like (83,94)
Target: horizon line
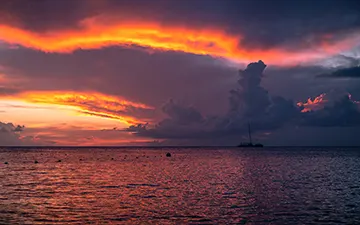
(179,146)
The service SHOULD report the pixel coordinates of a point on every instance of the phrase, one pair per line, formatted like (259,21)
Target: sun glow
(78,104)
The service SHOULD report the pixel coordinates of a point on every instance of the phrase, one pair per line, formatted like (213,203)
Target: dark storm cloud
(352,72)
(9,134)
(343,113)
(250,102)
(303,81)
(263,23)
(41,15)
(349,67)
(133,74)
(202,81)
(19,128)
(182,122)
(296,82)
(347,61)
(10,128)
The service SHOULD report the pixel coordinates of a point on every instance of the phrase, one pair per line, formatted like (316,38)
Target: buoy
(36,161)
(168,154)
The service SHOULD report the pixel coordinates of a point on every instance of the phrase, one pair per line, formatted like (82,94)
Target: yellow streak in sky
(86,104)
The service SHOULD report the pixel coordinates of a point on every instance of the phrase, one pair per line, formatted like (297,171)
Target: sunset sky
(176,72)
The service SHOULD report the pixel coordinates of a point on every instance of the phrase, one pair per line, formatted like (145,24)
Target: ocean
(194,186)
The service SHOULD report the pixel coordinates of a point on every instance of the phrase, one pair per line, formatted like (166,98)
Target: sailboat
(250,144)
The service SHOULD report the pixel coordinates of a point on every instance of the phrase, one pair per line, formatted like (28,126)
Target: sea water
(193,186)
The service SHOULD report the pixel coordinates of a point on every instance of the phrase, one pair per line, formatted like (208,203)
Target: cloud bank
(10,135)
(251,103)
(217,30)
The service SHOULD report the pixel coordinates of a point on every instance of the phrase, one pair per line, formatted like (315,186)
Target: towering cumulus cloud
(251,102)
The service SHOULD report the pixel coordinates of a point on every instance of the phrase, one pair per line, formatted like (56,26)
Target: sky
(169,72)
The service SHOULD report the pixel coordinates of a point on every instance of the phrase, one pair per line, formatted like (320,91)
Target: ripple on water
(115,186)
(143,185)
(120,219)
(200,220)
(149,196)
(209,187)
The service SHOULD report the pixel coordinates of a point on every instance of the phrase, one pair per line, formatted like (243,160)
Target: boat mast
(249,133)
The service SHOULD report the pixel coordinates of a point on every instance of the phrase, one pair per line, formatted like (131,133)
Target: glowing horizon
(63,117)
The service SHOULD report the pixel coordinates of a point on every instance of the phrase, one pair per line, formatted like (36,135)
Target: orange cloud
(354,101)
(311,105)
(320,101)
(95,34)
(90,103)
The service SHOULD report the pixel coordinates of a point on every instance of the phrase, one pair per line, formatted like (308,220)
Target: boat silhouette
(250,144)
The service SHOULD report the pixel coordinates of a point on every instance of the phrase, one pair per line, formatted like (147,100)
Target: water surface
(194,186)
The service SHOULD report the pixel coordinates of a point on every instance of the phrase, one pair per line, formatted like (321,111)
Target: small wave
(204,220)
(141,185)
(110,186)
(149,196)
(145,185)
(182,216)
(119,219)
(228,196)
(124,217)
(20,185)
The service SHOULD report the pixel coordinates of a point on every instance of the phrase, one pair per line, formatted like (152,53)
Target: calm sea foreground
(193,186)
